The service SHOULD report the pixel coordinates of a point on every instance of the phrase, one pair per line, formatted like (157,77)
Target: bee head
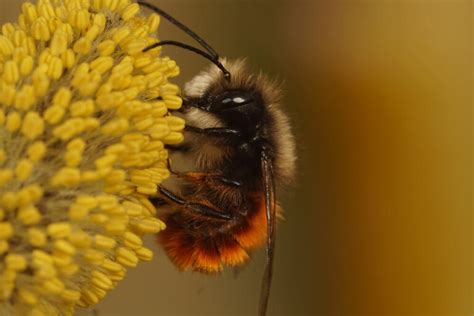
(238,101)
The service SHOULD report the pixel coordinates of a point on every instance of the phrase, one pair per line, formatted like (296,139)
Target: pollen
(85,115)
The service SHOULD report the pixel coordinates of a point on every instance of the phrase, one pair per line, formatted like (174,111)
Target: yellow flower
(83,123)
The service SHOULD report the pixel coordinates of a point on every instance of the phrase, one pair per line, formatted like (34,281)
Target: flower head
(83,123)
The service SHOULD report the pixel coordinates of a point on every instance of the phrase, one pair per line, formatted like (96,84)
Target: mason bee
(238,147)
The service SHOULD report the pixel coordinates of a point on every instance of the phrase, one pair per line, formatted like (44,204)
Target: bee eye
(236,100)
(231,99)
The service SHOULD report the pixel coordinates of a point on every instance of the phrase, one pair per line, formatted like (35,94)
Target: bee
(238,147)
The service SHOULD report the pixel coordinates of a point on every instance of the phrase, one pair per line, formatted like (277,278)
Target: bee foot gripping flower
(83,123)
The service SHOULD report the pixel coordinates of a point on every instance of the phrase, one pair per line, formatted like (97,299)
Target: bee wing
(270,209)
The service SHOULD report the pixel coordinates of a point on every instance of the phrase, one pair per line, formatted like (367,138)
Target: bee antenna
(213,59)
(183,27)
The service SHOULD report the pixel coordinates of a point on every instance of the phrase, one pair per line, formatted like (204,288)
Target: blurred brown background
(380,220)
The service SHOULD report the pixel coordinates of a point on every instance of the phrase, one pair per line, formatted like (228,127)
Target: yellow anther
(80,239)
(142,61)
(93,32)
(132,241)
(40,30)
(82,46)
(59,230)
(116,177)
(62,97)
(68,270)
(118,276)
(76,144)
(169,89)
(111,266)
(159,131)
(36,151)
(156,66)
(175,123)
(94,256)
(6,230)
(130,11)
(25,98)
(23,169)
(153,22)
(44,270)
(69,129)
(15,262)
(68,58)
(120,34)
(82,19)
(6,46)
(125,67)
(54,114)
(114,226)
(29,10)
(46,9)
(173,102)
(105,161)
(102,64)
(41,86)
(71,295)
(26,66)
(144,254)
(8,29)
(64,247)
(11,73)
(66,177)
(59,43)
(133,209)
(7,94)
(54,286)
(104,242)
(89,176)
(173,138)
(27,297)
(36,192)
(106,48)
(29,215)
(4,246)
(82,108)
(149,225)
(78,212)
(126,257)
(100,20)
(36,237)
(55,69)
(24,198)
(101,280)
(6,175)
(88,297)
(110,100)
(61,259)
(33,125)
(148,189)
(41,258)
(115,127)
(87,201)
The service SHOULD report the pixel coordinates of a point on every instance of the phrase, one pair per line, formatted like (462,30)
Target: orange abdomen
(197,243)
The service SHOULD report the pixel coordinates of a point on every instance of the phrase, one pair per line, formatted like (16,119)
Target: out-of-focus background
(380,220)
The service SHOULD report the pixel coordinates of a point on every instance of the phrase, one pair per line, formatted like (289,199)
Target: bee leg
(184,148)
(214,131)
(199,208)
(197,177)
